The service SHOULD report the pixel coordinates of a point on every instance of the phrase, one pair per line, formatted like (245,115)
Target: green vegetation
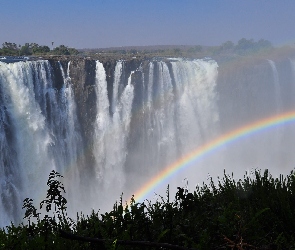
(228,49)
(33,49)
(12,49)
(243,47)
(63,50)
(9,49)
(253,213)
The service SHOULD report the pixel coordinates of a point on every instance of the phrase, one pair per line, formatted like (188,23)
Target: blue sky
(109,23)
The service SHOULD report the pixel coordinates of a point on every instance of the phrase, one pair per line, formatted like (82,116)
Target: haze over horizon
(115,23)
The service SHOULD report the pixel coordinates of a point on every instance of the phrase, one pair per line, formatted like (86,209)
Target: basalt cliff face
(108,126)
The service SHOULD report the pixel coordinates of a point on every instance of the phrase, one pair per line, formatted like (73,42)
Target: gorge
(108,126)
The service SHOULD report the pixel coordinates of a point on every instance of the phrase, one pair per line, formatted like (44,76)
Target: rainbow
(197,154)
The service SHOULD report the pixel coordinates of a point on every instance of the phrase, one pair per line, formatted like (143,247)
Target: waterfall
(278,133)
(292,62)
(109,127)
(118,74)
(278,98)
(180,105)
(68,141)
(102,119)
(164,116)
(39,133)
(150,86)
(196,106)
(30,138)
(111,131)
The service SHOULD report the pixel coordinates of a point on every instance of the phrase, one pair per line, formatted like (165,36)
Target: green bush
(253,213)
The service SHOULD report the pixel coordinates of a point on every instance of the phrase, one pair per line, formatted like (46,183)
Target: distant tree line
(12,49)
(243,47)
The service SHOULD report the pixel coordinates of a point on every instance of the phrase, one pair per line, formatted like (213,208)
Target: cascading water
(41,123)
(111,131)
(118,74)
(164,117)
(195,88)
(292,63)
(68,139)
(180,114)
(276,86)
(251,92)
(140,118)
(29,138)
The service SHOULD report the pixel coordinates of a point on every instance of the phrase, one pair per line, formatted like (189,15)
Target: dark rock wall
(56,74)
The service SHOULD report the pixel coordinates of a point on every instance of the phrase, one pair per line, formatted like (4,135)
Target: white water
(292,62)
(118,74)
(45,135)
(69,142)
(40,131)
(31,136)
(180,107)
(164,117)
(150,86)
(111,132)
(196,107)
(278,97)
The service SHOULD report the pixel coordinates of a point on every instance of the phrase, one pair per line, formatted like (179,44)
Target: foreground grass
(253,213)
